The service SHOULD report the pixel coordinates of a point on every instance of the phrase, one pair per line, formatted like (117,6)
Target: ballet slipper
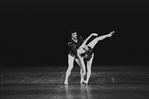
(82,80)
(66,82)
(86,82)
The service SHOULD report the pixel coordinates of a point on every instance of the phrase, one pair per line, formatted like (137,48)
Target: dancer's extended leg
(89,64)
(95,41)
(70,66)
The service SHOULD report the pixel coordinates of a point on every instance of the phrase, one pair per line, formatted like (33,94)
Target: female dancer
(79,51)
(85,52)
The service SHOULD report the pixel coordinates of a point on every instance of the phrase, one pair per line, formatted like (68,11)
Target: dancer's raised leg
(95,41)
(70,66)
(89,64)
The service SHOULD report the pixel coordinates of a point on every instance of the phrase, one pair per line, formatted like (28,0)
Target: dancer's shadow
(81,92)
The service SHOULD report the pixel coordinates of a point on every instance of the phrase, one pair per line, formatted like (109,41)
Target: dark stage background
(36,32)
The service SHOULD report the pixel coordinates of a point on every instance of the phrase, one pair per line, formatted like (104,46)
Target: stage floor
(47,83)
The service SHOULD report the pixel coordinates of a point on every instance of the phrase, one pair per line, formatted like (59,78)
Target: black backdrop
(35,32)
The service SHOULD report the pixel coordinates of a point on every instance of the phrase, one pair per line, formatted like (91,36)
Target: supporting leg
(70,66)
(89,64)
(81,69)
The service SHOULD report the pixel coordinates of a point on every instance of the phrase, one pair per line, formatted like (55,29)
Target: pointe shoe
(86,82)
(81,81)
(110,34)
(65,82)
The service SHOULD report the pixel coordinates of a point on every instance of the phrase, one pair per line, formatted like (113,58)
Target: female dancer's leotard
(88,54)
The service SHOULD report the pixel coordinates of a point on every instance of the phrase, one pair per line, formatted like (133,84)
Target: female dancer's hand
(94,34)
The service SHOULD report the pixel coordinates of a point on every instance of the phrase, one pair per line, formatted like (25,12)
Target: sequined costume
(74,46)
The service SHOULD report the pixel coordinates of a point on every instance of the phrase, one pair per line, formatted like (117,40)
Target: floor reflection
(85,92)
(72,92)
(69,94)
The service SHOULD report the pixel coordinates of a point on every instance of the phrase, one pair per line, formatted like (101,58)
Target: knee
(68,72)
(89,68)
(70,68)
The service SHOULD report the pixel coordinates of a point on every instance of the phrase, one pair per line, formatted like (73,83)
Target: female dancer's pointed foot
(86,82)
(82,80)
(111,33)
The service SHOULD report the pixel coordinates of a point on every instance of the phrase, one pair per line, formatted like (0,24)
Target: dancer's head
(74,34)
